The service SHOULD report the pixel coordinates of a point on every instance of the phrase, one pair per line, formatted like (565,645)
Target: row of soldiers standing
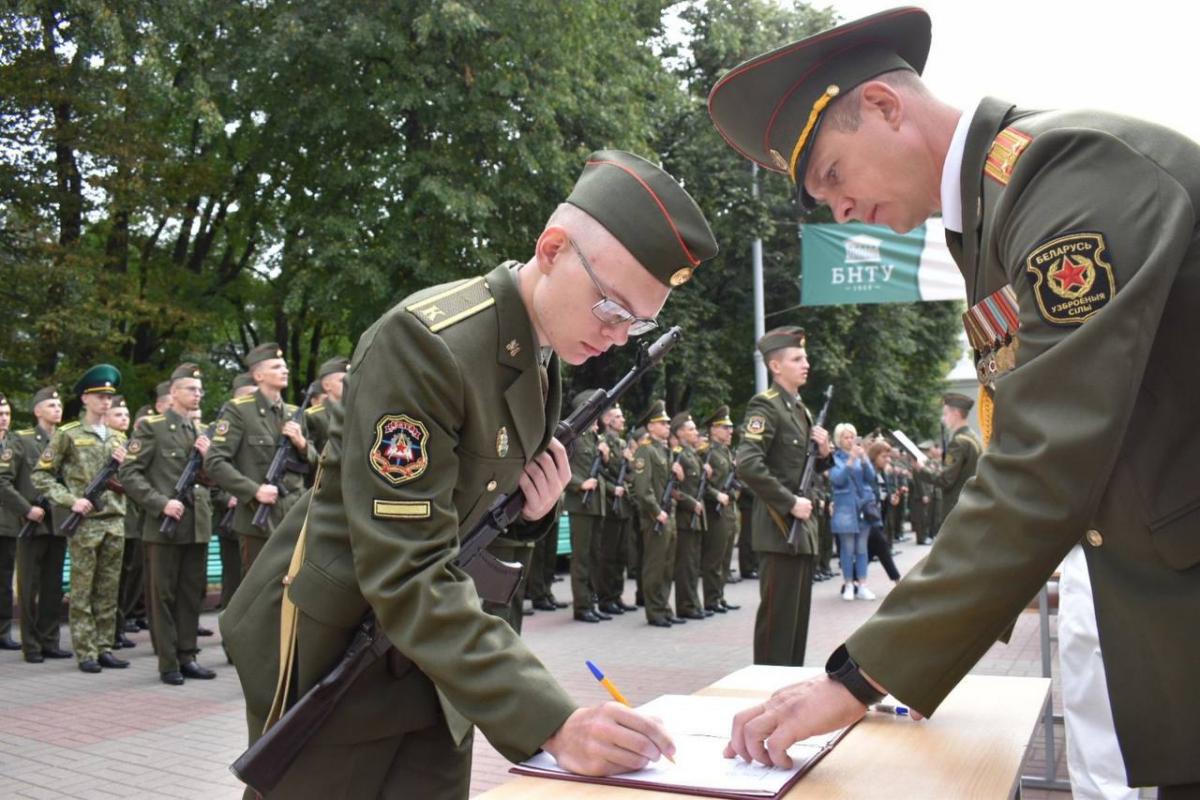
(140,532)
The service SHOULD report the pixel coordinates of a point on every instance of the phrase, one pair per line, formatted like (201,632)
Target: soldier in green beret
(584,503)
(720,513)
(613,547)
(770,461)
(177,563)
(76,454)
(690,523)
(316,417)
(10,525)
(244,443)
(40,556)
(1074,232)
(962,452)
(451,400)
(653,466)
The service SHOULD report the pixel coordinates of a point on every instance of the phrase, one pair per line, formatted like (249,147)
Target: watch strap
(841,668)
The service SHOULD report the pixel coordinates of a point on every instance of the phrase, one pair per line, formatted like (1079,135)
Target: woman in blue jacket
(853,483)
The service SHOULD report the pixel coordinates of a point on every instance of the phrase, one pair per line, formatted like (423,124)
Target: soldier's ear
(552,245)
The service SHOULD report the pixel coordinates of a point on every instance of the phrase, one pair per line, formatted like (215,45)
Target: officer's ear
(552,245)
(880,98)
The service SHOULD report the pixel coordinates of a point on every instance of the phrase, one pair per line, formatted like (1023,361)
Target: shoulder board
(290,408)
(645,439)
(1002,156)
(26,432)
(69,426)
(314,409)
(703,448)
(154,418)
(453,305)
(769,394)
(677,449)
(241,401)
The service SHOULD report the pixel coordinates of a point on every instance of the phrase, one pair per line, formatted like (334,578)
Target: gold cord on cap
(831,92)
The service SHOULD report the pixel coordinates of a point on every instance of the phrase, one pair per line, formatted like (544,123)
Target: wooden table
(972,748)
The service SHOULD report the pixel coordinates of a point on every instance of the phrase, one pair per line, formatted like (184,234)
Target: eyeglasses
(609,311)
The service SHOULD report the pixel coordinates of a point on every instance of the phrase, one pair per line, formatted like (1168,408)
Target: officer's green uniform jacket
(157,455)
(78,453)
(17,491)
(651,472)
(689,490)
(240,455)
(316,422)
(582,457)
(454,368)
(721,462)
(11,519)
(770,460)
(962,455)
(611,470)
(1094,434)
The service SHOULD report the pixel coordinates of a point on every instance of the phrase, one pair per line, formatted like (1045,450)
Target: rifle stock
(266,761)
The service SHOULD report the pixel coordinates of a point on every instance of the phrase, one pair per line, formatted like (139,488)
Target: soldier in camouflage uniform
(652,468)
(720,513)
(161,447)
(129,592)
(690,524)
(244,444)
(78,451)
(40,555)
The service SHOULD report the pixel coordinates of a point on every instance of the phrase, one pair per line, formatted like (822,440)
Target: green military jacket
(582,458)
(689,490)
(78,452)
(962,455)
(1091,219)
(11,516)
(651,472)
(770,460)
(444,406)
(17,492)
(158,454)
(243,445)
(721,461)
(612,476)
(316,423)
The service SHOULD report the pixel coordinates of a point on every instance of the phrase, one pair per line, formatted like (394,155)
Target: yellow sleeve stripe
(401,509)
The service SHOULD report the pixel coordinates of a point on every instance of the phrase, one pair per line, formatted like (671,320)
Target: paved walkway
(64,734)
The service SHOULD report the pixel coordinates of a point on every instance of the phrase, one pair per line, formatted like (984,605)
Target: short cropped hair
(845,113)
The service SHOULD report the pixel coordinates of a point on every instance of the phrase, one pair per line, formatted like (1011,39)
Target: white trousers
(1093,754)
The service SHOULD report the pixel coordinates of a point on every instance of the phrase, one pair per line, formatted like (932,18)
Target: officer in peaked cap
(451,400)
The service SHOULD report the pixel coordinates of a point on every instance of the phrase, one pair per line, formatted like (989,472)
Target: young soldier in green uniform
(10,525)
(921,502)
(78,452)
(653,465)
(223,502)
(583,501)
(720,513)
(962,452)
(452,399)
(39,556)
(1076,235)
(618,517)
(689,527)
(130,594)
(159,452)
(316,417)
(770,460)
(244,444)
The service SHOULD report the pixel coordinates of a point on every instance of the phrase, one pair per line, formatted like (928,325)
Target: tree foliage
(188,178)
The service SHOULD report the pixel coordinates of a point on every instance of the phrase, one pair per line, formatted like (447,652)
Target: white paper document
(700,727)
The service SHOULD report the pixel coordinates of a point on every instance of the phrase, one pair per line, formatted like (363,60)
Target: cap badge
(681,276)
(779,160)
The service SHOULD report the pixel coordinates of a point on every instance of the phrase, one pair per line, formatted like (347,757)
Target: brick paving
(123,734)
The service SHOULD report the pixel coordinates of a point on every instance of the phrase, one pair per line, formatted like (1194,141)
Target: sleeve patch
(400,509)
(48,455)
(1071,280)
(400,453)
(135,446)
(756,424)
(222,428)
(6,455)
(639,465)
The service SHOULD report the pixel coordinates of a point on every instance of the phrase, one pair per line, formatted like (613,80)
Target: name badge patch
(399,454)
(1071,279)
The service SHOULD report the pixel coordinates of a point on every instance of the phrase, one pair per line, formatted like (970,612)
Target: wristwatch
(841,668)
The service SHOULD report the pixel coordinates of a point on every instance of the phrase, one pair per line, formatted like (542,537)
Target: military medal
(991,327)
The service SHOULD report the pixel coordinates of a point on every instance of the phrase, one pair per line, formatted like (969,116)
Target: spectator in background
(853,482)
(879,461)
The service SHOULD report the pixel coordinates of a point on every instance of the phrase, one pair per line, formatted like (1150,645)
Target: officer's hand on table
(677,468)
(118,454)
(608,740)
(35,513)
(802,508)
(821,437)
(202,443)
(589,485)
(543,481)
(82,506)
(765,732)
(173,509)
(267,494)
(292,431)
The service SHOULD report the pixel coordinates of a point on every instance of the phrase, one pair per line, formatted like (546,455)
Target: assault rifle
(185,487)
(30,526)
(286,460)
(703,487)
(664,502)
(597,462)
(267,760)
(810,467)
(616,504)
(91,493)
